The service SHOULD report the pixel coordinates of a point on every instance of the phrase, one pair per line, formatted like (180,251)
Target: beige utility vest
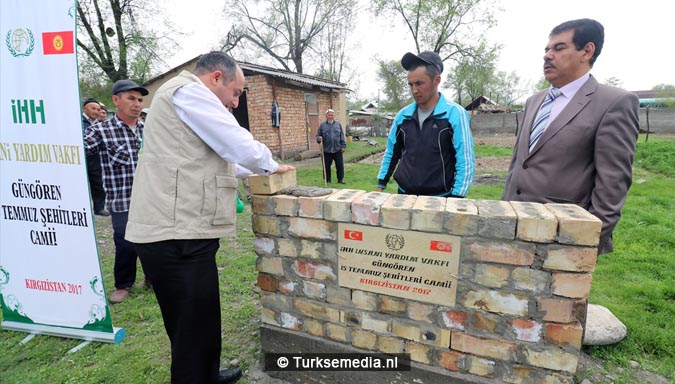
(182,189)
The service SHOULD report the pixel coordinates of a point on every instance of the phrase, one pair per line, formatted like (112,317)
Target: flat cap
(127,85)
(90,100)
(426,57)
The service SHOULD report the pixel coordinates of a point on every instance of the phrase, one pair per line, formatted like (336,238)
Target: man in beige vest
(183,201)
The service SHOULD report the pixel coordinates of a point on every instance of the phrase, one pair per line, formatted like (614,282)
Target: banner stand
(116,336)
(51,282)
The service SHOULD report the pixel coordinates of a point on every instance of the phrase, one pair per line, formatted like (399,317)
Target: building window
(312,104)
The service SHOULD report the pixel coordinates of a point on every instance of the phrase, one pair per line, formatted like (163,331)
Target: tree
(614,82)
(333,59)
(506,89)
(472,75)
(663,87)
(541,84)
(444,26)
(121,47)
(285,30)
(395,81)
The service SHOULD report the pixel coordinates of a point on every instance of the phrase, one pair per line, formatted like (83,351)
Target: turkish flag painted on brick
(57,43)
(353,235)
(441,246)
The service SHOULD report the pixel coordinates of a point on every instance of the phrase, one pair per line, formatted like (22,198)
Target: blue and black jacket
(436,160)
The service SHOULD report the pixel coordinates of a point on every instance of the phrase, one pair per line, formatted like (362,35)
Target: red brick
(267,282)
(287,287)
(484,322)
(313,270)
(564,334)
(562,310)
(574,285)
(450,360)
(500,252)
(494,348)
(455,319)
(527,330)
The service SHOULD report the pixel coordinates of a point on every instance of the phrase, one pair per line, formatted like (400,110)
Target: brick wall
(293,114)
(524,278)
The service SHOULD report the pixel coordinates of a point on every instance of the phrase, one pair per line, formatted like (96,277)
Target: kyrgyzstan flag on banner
(56,43)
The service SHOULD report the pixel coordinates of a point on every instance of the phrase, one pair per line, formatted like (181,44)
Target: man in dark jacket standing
(332,137)
(91,110)
(430,148)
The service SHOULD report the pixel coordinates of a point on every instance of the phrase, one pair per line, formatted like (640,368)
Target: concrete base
(277,340)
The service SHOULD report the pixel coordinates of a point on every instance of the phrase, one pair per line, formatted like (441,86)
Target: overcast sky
(638,47)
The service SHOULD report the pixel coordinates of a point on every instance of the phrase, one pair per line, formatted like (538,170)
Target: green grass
(492,151)
(635,282)
(657,156)
(144,355)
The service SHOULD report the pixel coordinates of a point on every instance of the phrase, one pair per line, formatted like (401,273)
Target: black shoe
(229,376)
(102,212)
(342,182)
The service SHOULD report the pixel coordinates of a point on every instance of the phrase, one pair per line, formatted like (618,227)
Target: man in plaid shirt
(118,141)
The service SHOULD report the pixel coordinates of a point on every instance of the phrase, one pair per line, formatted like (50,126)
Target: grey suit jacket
(584,157)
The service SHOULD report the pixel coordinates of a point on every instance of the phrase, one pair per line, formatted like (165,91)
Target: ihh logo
(26,111)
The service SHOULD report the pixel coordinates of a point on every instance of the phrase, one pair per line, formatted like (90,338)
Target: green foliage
(541,84)
(395,88)
(664,87)
(473,74)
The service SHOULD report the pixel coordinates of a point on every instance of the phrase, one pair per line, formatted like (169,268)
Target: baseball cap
(427,57)
(127,85)
(329,111)
(90,100)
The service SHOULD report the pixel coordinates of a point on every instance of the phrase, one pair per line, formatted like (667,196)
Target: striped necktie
(541,121)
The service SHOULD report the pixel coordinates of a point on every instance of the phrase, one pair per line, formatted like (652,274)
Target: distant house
(482,104)
(368,121)
(302,99)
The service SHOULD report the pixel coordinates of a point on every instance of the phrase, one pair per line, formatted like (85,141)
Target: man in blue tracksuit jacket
(430,148)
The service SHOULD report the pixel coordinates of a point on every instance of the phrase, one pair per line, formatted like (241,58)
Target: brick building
(302,101)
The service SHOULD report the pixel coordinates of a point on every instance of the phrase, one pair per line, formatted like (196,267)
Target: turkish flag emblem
(353,235)
(441,246)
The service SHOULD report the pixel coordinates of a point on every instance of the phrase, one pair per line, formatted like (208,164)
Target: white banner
(50,277)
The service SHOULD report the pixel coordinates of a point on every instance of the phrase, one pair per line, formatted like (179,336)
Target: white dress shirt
(567,92)
(203,112)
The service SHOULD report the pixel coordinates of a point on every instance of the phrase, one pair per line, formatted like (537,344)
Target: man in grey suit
(577,139)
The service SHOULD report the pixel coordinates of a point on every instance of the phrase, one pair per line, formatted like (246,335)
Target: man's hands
(283,168)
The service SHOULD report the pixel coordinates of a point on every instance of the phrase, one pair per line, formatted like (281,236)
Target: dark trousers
(339,165)
(185,280)
(125,253)
(95,175)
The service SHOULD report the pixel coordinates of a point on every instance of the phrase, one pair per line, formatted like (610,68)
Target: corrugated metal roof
(298,78)
(294,77)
